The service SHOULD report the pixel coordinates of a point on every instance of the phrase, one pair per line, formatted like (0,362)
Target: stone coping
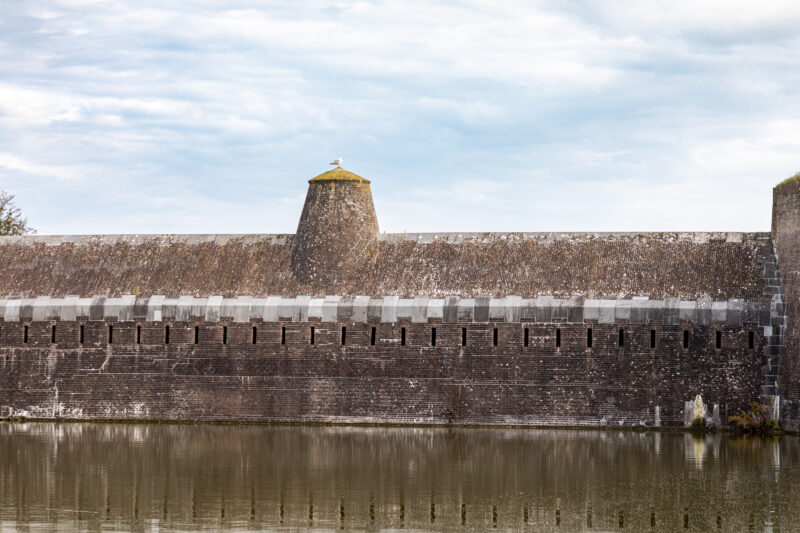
(698,237)
(362,309)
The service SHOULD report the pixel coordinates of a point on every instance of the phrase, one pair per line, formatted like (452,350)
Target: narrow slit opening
(166,334)
(311,336)
(589,337)
(652,338)
(463,336)
(686,339)
(110,334)
(25,334)
(621,338)
(138,334)
(719,340)
(494,337)
(52,334)
(283,334)
(558,337)
(197,334)
(433,336)
(344,336)
(224,334)
(372,336)
(751,340)
(525,337)
(402,336)
(255,335)
(81,334)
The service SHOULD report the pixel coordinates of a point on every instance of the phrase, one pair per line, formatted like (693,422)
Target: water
(244,478)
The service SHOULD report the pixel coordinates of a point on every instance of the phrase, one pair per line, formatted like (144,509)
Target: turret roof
(338,174)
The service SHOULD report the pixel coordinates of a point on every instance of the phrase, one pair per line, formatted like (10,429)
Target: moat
(244,478)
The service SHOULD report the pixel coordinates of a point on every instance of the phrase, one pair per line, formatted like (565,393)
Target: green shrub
(757,420)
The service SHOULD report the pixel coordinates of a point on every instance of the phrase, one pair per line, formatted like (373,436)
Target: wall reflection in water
(186,477)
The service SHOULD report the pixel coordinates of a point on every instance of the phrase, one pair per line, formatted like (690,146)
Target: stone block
(419,309)
(389,309)
(360,309)
(330,308)
(497,309)
(687,311)
(450,311)
(83,304)
(127,302)
(39,312)
(735,313)
(591,310)
(544,309)
(640,311)
(199,307)
(513,308)
(26,308)
(672,308)
(96,307)
(346,309)
(719,312)
(607,311)
(404,306)
(481,313)
(183,311)
(655,311)
(12,310)
(703,311)
(286,308)
(374,309)
(213,308)
(574,308)
(111,308)
(68,308)
(271,307)
(622,310)
(436,308)
(169,308)
(466,309)
(315,308)
(528,309)
(300,308)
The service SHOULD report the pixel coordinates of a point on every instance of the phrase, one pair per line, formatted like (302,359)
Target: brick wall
(283,377)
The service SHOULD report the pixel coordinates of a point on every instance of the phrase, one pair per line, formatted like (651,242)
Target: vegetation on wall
(12,221)
(790,178)
(757,420)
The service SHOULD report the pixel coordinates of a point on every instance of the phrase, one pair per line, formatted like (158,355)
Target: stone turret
(336,230)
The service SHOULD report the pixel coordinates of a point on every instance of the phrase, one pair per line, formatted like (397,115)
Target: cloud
(466,116)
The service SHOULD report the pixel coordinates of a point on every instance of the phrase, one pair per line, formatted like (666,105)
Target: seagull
(337,162)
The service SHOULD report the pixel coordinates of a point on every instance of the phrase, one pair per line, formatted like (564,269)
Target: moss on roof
(338,174)
(789,179)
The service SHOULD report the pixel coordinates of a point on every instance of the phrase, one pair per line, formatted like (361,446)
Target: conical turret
(336,229)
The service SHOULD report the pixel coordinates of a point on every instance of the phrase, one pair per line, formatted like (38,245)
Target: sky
(503,115)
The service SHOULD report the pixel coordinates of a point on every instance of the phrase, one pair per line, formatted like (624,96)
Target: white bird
(337,162)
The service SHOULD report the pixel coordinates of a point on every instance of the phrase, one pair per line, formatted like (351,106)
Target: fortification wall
(786,236)
(592,265)
(471,361)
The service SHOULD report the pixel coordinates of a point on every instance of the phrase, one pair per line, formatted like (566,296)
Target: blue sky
(209,117)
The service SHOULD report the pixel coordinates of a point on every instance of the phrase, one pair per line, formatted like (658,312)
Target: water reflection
(172,477)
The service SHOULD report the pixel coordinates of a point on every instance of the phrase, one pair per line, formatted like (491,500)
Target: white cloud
(467,116)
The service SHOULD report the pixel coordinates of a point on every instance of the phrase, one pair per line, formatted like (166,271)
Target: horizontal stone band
(451,309)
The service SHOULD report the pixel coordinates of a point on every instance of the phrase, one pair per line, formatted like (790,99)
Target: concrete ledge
(362,309)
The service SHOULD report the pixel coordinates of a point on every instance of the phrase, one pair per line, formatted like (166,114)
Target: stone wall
(528,369)
(590,265)
(786,235)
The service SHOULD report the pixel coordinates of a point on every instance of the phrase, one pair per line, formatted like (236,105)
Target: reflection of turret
(336,230)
